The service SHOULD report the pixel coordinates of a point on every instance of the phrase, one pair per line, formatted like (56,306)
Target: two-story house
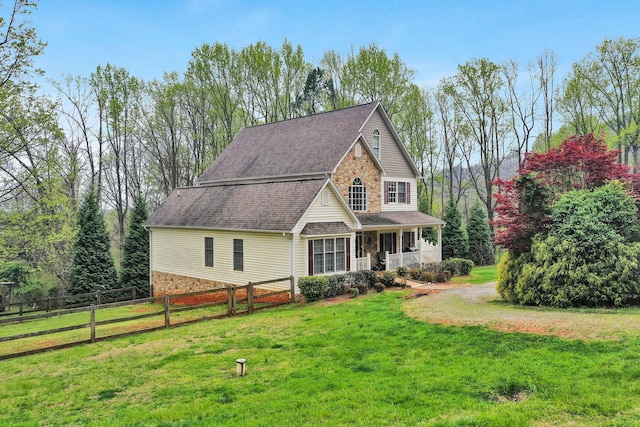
(321,194)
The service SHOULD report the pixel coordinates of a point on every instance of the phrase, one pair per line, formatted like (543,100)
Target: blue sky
(150,37)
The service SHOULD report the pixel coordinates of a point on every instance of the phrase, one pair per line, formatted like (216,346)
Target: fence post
(293,288)
(92,312)
(231,304)
(167,322)
(250,298)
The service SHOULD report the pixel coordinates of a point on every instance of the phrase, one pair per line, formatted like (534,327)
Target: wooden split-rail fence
(229,301)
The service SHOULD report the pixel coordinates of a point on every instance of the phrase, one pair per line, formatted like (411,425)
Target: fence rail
(237,300)
(68,301)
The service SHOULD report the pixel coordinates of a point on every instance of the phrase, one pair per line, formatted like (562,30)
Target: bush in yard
(313,288)
(353,292)
(338,285)
(362,276)
(457,266)
(362,287)
(402,271)
(587,257)
(379,287)
(388,278)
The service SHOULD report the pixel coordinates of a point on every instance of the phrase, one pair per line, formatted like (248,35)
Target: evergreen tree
(92,260)
(135,264)
(479,234)
(454,241)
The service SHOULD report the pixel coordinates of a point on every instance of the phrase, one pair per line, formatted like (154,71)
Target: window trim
(238,255)
(335,249)
(209,260)
(375,143)
(357,195)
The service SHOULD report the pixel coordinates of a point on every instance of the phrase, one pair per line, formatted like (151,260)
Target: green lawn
(360,362)
(479,275)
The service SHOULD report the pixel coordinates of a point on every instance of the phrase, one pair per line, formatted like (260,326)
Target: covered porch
(390,240)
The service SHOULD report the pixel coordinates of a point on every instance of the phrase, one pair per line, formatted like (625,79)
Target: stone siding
(362,167)
(172,284)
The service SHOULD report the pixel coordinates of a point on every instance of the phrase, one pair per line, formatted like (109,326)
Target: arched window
(358,195)
(375,143)
(358,149)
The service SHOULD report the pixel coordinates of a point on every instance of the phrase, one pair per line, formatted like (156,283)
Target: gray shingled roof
(268,206)
(325,228)
(306,145)
(417,219)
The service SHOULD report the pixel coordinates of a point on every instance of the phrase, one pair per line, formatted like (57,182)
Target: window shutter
(310,257)
(347,254)
(386,192)
(408,192)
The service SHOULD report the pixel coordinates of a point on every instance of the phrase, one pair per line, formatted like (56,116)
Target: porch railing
(363,263)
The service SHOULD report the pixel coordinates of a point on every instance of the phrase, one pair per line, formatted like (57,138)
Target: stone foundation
(172,284)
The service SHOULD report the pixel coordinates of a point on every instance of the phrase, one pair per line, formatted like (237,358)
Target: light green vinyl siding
(180,251)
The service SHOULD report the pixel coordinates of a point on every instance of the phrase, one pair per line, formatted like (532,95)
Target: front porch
(394,239)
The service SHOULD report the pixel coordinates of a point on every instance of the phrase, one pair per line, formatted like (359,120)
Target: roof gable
(308,145)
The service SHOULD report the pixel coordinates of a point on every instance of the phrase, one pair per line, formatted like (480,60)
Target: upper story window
(375,143)
(402,192)
(392,192)
(358,150)
(397,192)
(358,195)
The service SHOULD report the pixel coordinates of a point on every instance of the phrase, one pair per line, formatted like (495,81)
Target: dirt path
(481,305)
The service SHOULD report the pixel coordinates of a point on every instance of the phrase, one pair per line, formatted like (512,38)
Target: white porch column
(439,243)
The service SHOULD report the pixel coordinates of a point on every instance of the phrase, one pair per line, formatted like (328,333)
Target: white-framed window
(375,142)
(402,192)
(208,251)
(358,195)
(391,192)
(238,254)
(358,149)
(397,192)
(329,255)
(325,197)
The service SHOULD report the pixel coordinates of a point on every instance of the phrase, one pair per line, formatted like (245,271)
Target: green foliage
(362,287)
(26,287)
(595,217)
(457,266)
(92,261)
(560,276)
(338,285)
(454,241)
(388,278)
(587,258)
(480,245)
(353,292)
(135,263)
(402,271)
(313,288)
(379,287)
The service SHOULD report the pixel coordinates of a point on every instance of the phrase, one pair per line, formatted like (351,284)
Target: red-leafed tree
(523,201)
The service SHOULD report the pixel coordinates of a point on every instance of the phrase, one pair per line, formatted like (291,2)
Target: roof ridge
(311,115)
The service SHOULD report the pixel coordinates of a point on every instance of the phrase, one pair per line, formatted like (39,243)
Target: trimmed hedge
(313,288)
